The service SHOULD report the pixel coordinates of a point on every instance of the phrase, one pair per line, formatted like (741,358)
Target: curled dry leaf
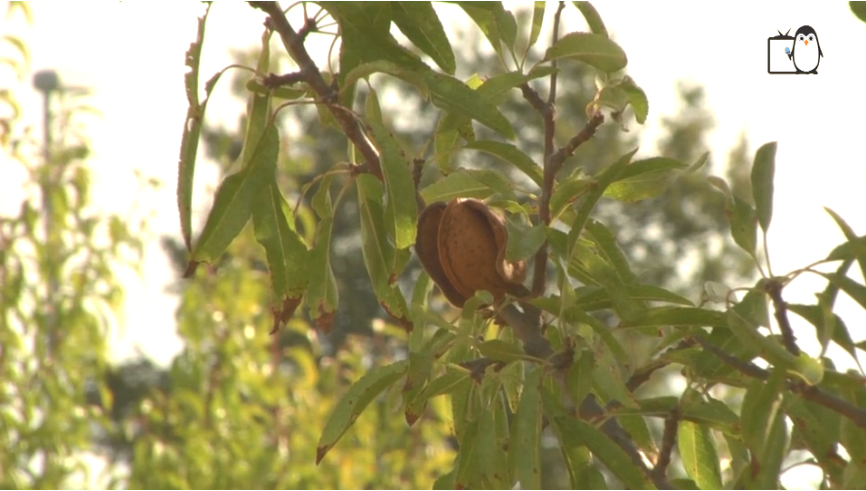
(462,244)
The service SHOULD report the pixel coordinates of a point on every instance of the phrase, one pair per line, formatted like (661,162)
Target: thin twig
(669,441)
(809,392)
(272,80)
(774,289)
(294,44)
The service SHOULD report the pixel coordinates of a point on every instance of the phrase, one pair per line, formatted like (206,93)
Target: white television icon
(777,59)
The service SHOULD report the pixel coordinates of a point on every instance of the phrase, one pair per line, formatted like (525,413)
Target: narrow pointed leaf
(510,154)
(537,21)
(763,171)
(605,450)
(454,96)
(234,199)
(191,132)
(418,22)
(287,255)
(401,209)
(322,293)
(354,401)
(526,440)
(644,179)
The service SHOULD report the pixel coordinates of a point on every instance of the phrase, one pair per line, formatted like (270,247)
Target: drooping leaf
(496,23)
(593,49)
(525,442)
(760,409)
(418,22)
(401,210)
(855,248)
(698,451)
(378,252)
(287,255)
(191,132)
(763,170)
(605,450)
(744,224)
(322,293)
(233,201)
(354,401)
(678,316)
(364,70)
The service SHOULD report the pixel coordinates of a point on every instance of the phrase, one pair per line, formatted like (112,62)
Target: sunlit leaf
(418,22)
(525,442)
(593,20)
(593,49)
(510,154)
(763,170)
(698,451)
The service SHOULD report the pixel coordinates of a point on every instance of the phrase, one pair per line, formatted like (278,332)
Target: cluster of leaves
(501,396)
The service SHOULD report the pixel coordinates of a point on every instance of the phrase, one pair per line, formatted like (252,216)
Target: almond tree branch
(527,327)
(294,44)
(774,289)
(669,440)
(809,392)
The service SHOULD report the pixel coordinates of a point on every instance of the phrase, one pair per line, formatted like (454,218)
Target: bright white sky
(131,54)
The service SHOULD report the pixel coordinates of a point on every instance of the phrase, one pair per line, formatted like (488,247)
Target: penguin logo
(797,54)
(806,52)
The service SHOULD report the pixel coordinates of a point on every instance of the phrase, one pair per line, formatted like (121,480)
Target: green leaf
(499,350)
(418,22)
(322,293)
(610,250)
(760,409)
(378,252)
(477,449)
(287,254)
(454,96)
(636,97)
(354,401)
(763,171)
(497,24)
(593,20)
(644,179)
(567,192)
(537,21)
(855,248)
(818,427)
(593,49)
(510,154)
(445,143)
(582,472)
(613,457)
(366,37)
(607,375)
(466,184)
(677,316)
(696,447)
(401,210)
(827,328)
(744,224)
(364,70)
(191,132)
(418,373)
(523,241)
(525,444)
(859,10)
(604,179)
(233,201)
(854,290)
(495,89)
